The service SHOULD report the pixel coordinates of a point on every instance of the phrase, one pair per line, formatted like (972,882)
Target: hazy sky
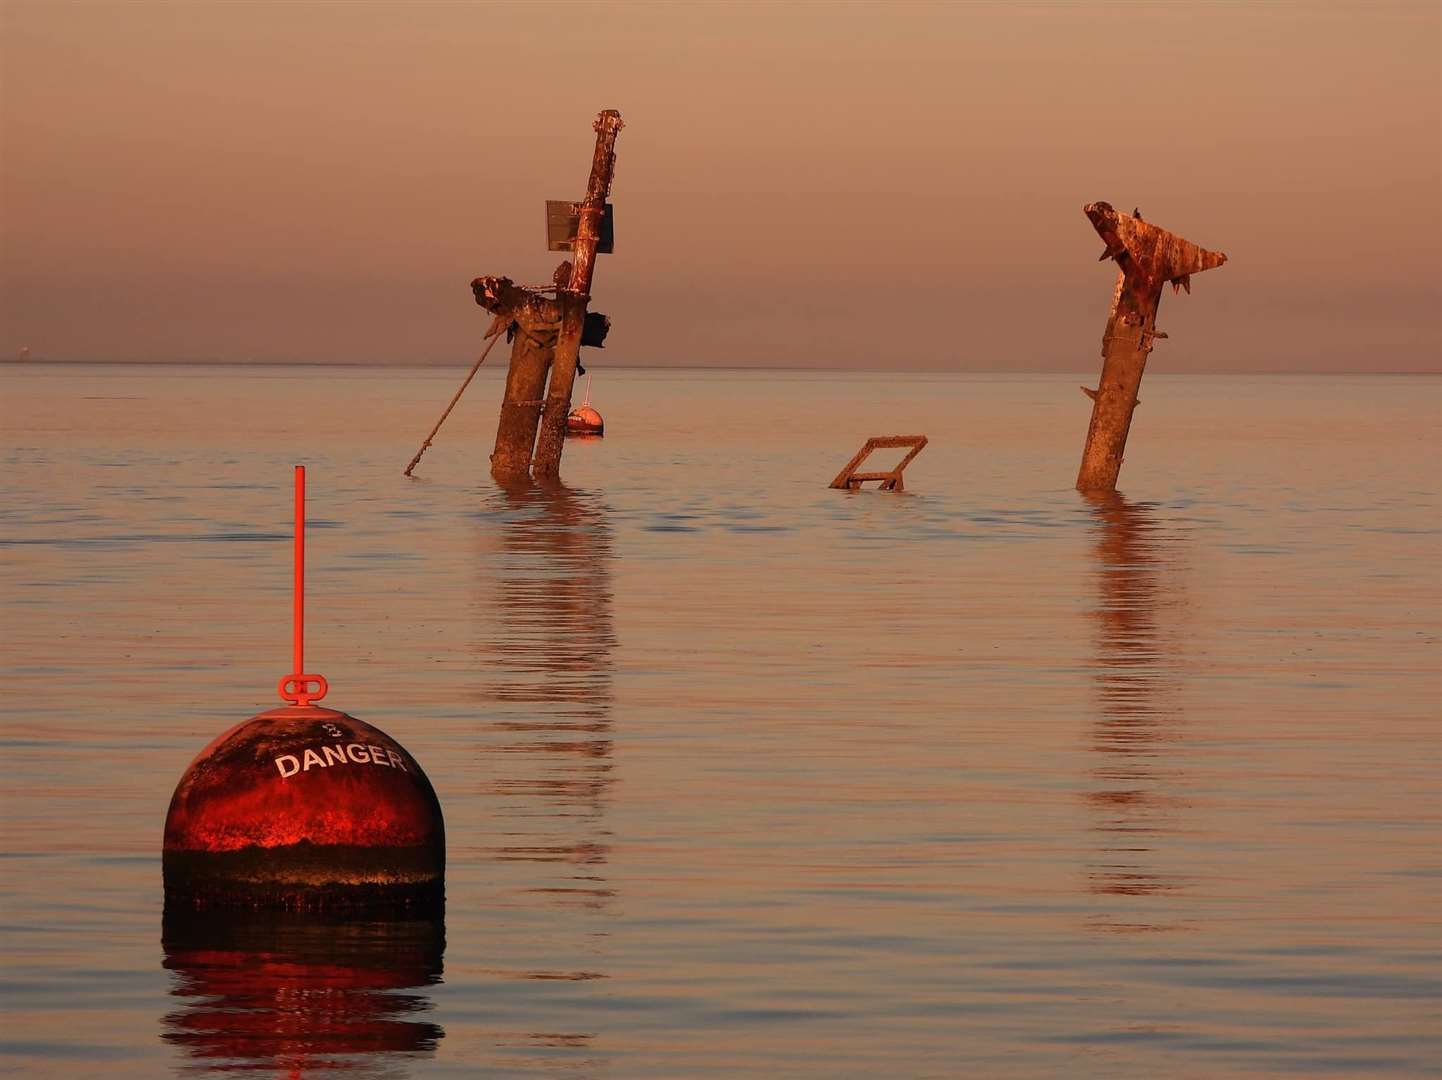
(821,185)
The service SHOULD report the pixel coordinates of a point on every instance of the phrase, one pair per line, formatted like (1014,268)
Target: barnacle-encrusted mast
(1148,258)
(548,334)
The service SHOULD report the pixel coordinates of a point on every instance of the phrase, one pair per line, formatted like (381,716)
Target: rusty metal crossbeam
(891,480)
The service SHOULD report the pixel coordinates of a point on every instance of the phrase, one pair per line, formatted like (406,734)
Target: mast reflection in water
(297,994)
(546,647)
(1136,799)
(547,673)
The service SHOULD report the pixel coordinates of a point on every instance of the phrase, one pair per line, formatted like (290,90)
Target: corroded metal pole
(532,321)
(573,299)
(1148,258)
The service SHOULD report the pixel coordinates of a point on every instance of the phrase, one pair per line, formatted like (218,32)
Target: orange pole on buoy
(299,652)
(296,687)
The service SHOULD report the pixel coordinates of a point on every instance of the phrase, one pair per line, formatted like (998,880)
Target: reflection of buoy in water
(585,420)
(304,807)
(292,993)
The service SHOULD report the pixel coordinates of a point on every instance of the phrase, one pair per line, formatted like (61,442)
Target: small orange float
(585,421)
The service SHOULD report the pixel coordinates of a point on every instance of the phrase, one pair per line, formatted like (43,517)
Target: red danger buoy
(304,807)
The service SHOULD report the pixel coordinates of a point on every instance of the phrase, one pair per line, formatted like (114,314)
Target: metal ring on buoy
(295,688)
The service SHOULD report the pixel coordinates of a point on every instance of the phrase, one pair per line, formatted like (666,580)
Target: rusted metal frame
(1148,258)
(891,479)
(546,464)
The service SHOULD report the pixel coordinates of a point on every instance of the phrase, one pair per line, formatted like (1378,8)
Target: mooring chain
(498,324)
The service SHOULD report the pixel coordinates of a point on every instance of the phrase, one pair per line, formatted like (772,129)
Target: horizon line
(437,365)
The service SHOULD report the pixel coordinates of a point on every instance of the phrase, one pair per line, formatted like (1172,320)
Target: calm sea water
(744,776)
